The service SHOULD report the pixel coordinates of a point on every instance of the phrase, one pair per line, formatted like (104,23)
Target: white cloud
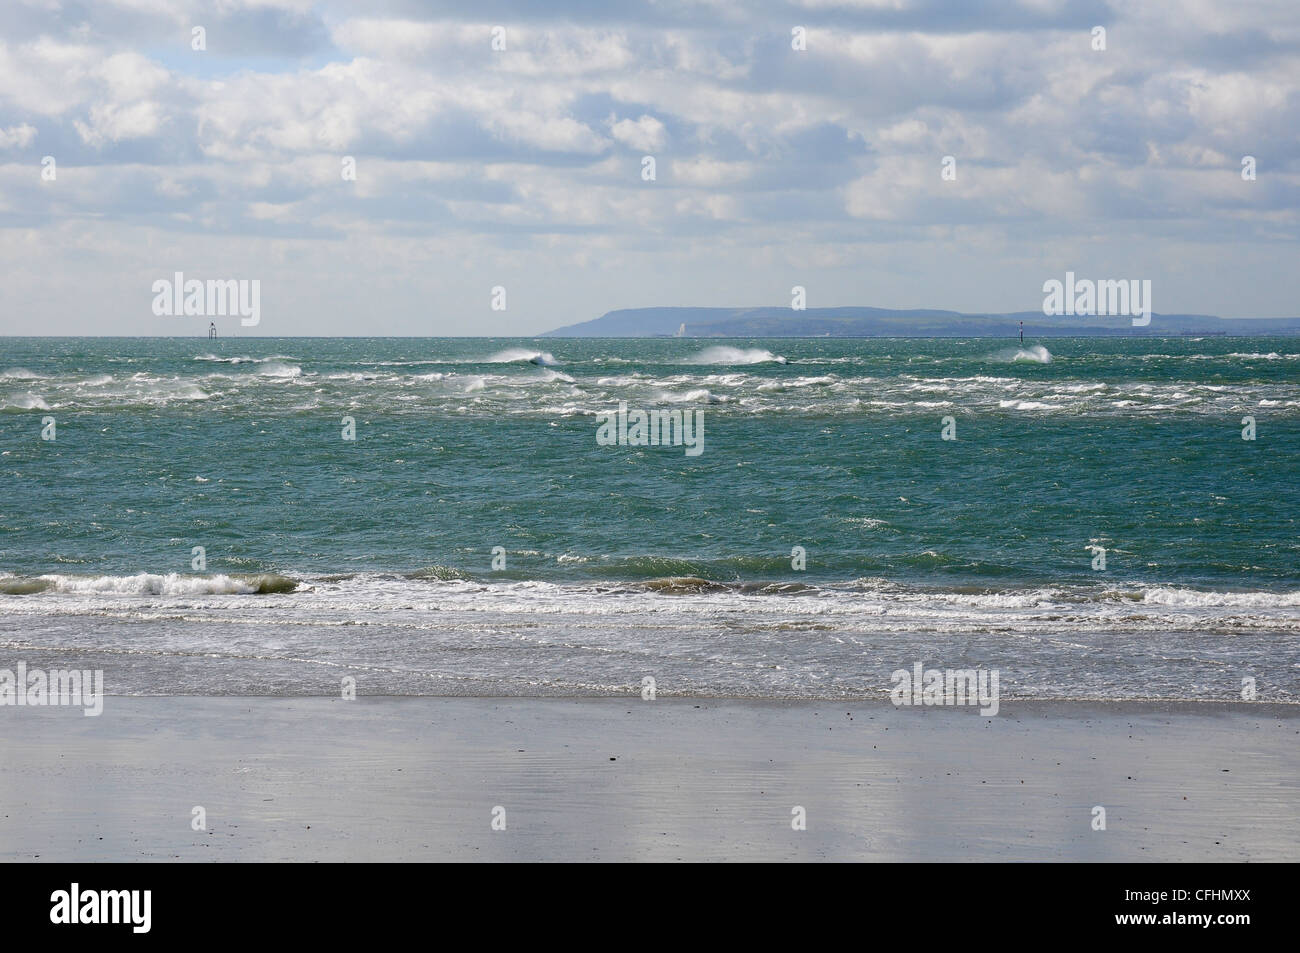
(17,137)
(530,157)
(646,134)
(111,122)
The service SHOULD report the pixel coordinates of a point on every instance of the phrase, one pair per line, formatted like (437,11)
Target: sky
(128,155)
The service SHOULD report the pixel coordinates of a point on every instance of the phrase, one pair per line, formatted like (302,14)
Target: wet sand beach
(419,778)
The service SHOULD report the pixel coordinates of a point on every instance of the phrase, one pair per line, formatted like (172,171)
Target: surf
(722,354)
(1034,354)
(150,584)
(515,355)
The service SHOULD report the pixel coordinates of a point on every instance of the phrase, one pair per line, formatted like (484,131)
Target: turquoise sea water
(625,561)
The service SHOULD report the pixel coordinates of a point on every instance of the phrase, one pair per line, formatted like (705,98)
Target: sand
(318,779)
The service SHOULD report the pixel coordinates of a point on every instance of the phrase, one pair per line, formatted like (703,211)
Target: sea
(1093,518)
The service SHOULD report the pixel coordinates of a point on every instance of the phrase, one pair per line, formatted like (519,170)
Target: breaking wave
(26,402)
(1037,354)
(516,355)
(278,369)
(151,584)
(721,354)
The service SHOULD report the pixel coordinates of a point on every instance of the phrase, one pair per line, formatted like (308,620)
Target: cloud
(527,159)
(645,134)
(19,136)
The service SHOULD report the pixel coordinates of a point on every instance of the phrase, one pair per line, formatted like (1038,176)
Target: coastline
(417,778)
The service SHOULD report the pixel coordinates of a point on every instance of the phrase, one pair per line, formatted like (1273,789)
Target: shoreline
(1134,705)
(417,778)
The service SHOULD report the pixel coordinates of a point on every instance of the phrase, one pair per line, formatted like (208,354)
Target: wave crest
(517,355)
(1037,354)
(151,584)
(722,354)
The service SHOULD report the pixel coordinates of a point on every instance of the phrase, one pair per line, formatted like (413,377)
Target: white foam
(149,584)
(1168,596)
(244,359)
(515,355)
(722,354)
(1037,354)
(700,395)
(1026,405)
(277,369)
(188,391)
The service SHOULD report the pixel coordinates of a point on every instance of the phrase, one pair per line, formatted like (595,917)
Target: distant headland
(886,322)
